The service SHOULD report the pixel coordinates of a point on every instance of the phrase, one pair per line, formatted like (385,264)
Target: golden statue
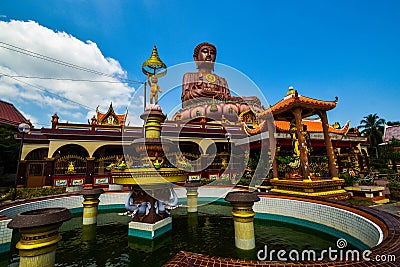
(71,168)
(154,88)
(154,68)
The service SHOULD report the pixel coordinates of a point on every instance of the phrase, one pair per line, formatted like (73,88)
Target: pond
(209,232)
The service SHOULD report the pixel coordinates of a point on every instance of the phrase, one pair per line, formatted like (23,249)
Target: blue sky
(324,49)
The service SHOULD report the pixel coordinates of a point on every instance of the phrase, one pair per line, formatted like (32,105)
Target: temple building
(210,130)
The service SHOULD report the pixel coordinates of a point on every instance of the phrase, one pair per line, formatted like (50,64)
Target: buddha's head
(204,55)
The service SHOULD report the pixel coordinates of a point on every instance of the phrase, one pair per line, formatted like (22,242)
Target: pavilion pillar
(273,148)
(49,171)
(302,144)
(328,144)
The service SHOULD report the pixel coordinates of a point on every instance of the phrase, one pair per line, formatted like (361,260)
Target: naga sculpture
(141,208)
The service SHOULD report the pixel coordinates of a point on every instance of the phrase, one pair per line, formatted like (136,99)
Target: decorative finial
(291,91)
(214,107)
(154,65)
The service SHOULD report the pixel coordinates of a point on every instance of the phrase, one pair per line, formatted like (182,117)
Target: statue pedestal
(243,217)
(150,230)
(39,235)
(330,189)
(91,205)
(191,194)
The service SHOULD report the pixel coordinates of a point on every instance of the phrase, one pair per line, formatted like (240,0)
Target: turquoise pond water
(209,232)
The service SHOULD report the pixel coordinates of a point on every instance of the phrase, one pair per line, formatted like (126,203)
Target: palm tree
(372,127)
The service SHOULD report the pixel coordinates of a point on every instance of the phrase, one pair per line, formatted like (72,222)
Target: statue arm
(148,79)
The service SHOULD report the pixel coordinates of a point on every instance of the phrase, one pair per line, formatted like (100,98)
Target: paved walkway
(391,208)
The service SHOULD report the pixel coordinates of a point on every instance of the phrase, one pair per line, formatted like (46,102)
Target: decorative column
(191,194)
(302,144)
(39,235)
(90,205)
(154,117)
(243,217)
(328,144)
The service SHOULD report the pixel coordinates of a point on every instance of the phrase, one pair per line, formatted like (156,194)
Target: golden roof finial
(214,107)
(291,91)
(154,65)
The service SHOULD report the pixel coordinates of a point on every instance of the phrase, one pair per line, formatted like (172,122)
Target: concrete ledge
(148,230)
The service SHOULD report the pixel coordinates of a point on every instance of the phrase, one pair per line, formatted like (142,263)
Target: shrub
(27,193)
(349,180)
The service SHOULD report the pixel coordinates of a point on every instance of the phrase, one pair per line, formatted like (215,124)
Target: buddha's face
(206,58)
(206,53)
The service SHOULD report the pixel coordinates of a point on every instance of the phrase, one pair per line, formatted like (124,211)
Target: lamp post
(23,128)
(228,138)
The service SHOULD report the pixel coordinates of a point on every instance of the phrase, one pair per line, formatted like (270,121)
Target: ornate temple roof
(9,115)
(310,106)
(313,126)
(110,117)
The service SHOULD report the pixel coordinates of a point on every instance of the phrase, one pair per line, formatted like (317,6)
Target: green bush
(245,181)
(349,180)
(27,193)
(394,188)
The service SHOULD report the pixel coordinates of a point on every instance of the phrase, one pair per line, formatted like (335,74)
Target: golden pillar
(243,217)
(328,144)
(91,205)
(39,235)
(153,117)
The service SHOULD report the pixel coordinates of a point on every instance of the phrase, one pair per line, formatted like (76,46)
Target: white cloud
(31,36)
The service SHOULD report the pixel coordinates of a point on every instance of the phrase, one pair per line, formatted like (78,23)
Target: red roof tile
(9,115)
(313,126)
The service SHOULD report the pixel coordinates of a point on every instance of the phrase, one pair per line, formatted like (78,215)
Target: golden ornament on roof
(154,65)
(214,107)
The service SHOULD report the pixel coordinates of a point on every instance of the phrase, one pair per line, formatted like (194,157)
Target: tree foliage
(372,127)
(9,148)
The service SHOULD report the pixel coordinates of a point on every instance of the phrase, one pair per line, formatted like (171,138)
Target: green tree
(393,123)
(372,127)
(9,148)
(391,152)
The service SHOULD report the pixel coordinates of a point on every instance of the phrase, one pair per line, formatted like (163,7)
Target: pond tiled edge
(69,201)
(5,234)
(390,244)
(308,210)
